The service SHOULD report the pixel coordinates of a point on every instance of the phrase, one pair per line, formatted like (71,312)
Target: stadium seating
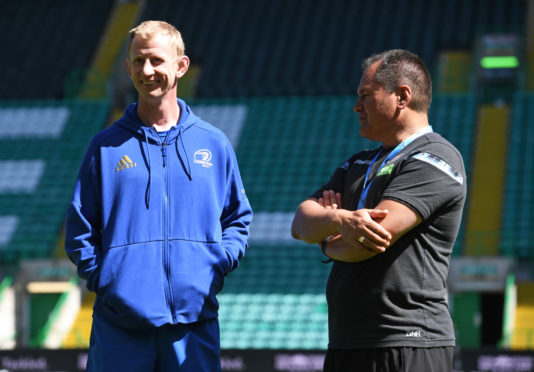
(282,91)
(518,217)
(315,46)
(273,321)
(41,146)
(50,45)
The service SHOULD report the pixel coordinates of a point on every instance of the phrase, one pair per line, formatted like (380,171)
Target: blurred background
(279,78)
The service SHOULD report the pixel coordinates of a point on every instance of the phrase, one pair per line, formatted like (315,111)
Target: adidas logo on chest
(124,163)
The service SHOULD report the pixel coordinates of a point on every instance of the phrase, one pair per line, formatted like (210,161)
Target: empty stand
(518,216)
(290,268)
(279,78)
(273,321)
(316,46)
(39,169)
(49,43)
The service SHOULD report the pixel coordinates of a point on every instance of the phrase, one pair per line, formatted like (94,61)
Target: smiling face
(376,107)
(155,67)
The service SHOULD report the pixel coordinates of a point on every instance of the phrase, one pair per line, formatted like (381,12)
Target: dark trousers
(395,359)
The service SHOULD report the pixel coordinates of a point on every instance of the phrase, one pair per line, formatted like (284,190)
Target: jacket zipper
(166,261)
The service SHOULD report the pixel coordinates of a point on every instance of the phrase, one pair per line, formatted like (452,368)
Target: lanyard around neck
(367,182)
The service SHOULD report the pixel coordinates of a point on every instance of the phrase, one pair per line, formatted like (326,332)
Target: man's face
(376,107)
(154,67)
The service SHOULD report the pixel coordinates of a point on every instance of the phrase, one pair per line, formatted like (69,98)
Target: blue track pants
(171,348)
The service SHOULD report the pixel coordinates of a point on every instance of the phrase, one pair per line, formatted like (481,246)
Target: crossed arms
(317,219)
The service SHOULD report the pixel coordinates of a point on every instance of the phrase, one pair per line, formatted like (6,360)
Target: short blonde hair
(148,29)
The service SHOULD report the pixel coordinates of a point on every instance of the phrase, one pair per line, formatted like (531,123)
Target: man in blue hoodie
(158,217)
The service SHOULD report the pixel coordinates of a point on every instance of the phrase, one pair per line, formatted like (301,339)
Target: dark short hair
(401,67)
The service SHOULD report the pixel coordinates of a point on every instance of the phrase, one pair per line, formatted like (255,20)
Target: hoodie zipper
(164,154)
(166,253)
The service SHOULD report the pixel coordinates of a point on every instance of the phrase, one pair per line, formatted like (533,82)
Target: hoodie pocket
(197,271)
(131,283)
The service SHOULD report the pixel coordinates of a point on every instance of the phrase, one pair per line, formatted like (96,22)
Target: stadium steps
(523,334)
(121,20)
(78,336)
(487,185)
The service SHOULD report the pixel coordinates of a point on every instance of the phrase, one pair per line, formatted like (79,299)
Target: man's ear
(404,96)
(183,65)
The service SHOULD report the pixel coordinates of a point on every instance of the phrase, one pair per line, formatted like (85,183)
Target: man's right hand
(353,225)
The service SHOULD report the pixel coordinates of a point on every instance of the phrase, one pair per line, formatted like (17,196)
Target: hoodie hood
(131,122)
(148,135)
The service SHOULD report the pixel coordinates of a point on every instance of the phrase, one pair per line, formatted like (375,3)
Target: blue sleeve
(83,226)
(236,215)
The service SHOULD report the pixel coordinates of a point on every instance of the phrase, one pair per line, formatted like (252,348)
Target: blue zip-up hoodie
(154,227)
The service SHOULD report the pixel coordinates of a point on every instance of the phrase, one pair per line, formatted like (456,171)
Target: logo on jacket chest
(124,163)
(203,157)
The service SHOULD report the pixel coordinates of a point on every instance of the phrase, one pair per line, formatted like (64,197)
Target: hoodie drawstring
(186,165)
(148,186)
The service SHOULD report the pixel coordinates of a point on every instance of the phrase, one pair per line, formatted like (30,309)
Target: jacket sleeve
(83,226)
(236,215)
